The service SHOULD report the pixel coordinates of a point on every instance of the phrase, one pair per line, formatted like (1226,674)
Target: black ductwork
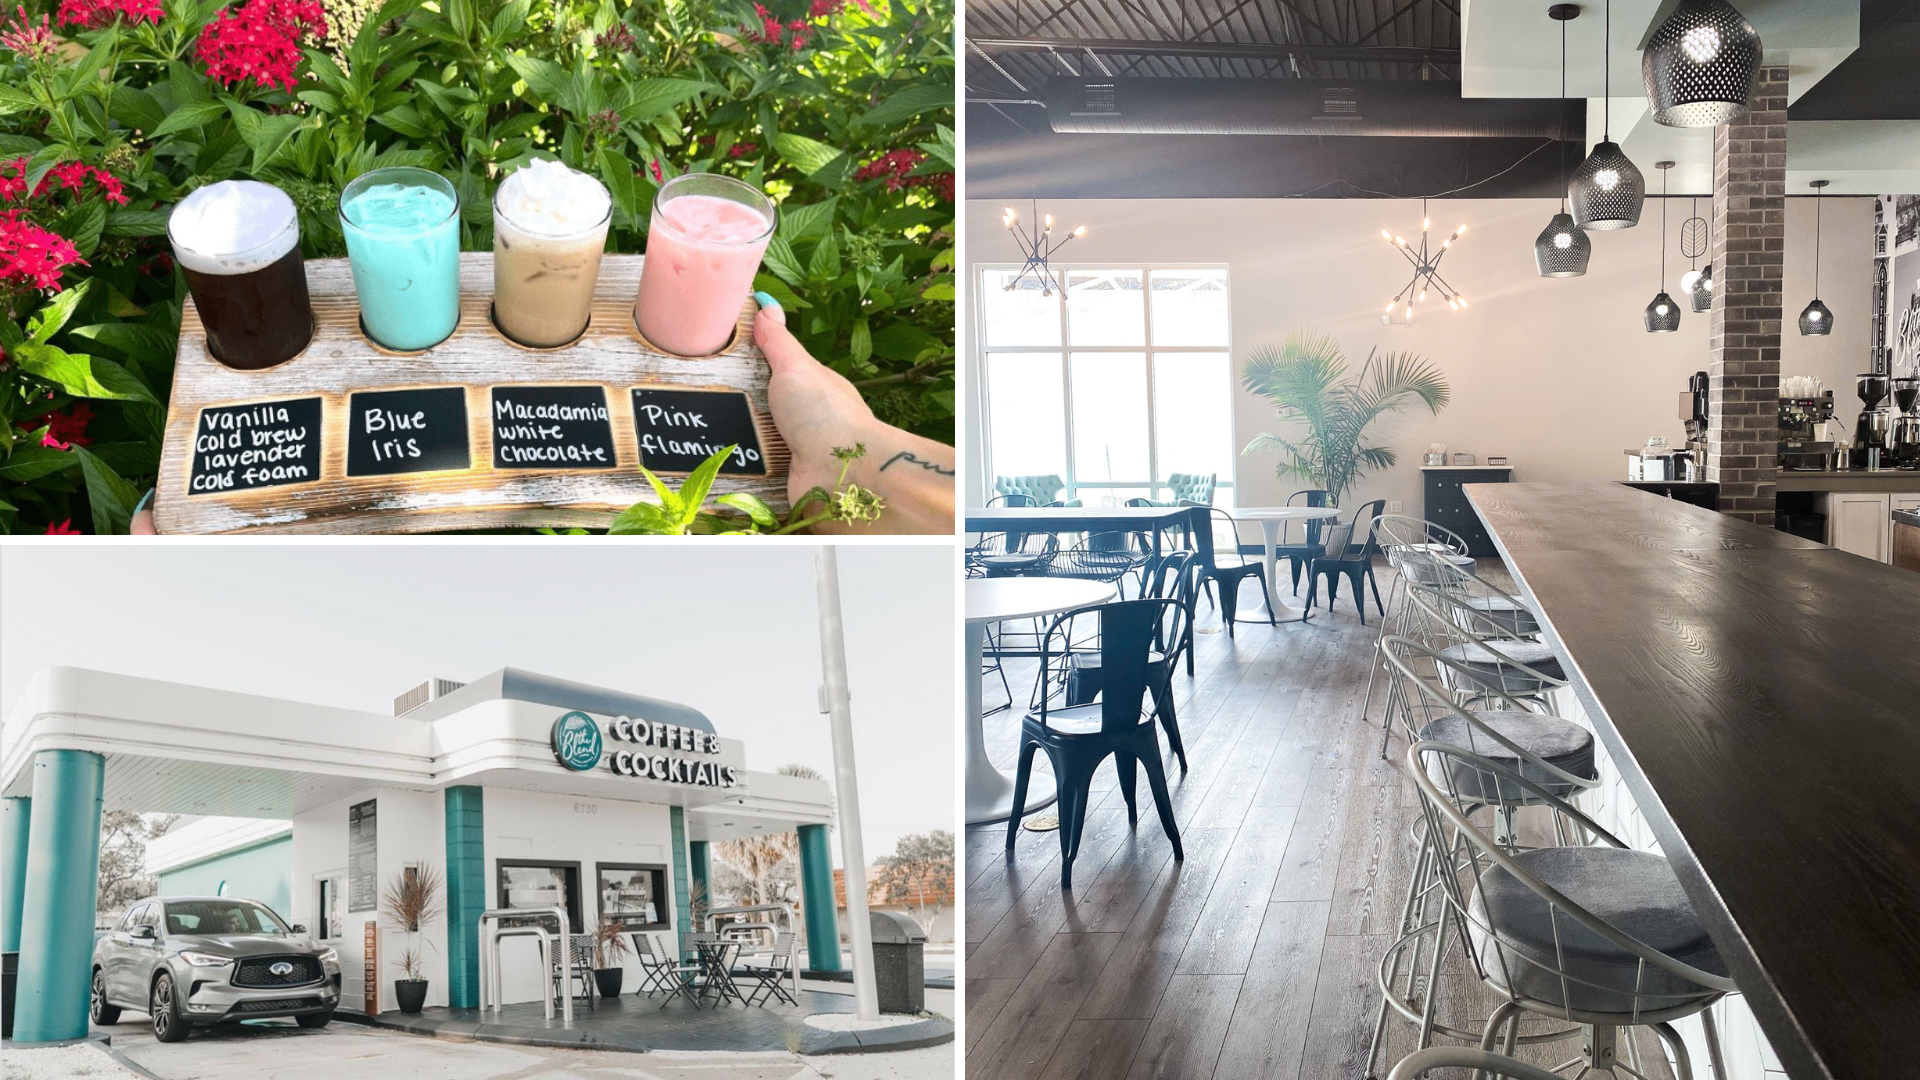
(1154,106)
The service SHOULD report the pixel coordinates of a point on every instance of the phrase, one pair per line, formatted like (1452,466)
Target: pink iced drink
(702,253)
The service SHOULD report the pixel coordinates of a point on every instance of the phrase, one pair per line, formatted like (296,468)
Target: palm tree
(756,857)
(1303,379)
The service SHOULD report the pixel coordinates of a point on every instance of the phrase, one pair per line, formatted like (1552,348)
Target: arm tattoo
(908,457)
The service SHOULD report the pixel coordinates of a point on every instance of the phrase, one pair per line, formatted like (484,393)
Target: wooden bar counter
(1761,695)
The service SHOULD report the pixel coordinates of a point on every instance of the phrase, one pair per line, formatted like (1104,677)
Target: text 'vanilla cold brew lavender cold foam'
(549,230)
(238,246)
(703,248)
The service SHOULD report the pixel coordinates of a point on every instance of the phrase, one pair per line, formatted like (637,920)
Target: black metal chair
(1077,739)
(659,973)
(1299,555)
(1354,561)
(1174,577)
(1107,557)
(1228,569)
(768,977)
(580,949)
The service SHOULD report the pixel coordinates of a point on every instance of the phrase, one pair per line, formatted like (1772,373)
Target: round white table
(1270,518)
(992,600)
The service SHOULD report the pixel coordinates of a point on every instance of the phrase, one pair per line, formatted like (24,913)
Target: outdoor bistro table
(1270,518)
(992,600)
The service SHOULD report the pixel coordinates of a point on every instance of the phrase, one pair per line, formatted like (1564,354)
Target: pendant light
(1607,190)
(1702,290)
(1562,249)
(1699,65)
(1695,233)
(1663,315)
(1816,319)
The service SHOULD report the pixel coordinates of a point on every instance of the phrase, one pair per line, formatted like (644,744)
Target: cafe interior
(1442,511)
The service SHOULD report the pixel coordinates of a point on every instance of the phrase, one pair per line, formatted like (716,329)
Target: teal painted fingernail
(145,501)
(765,300)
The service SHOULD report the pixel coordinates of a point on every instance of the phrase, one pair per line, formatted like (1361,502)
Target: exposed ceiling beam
(1237,50)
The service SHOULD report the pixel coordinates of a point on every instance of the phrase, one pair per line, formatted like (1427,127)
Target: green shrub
(111,110)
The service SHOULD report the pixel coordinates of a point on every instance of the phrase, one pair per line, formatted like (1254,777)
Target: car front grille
(258,972)
(277,1005)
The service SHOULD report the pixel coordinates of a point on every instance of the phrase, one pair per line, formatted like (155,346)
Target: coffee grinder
(1693,411)
(1876,421)
(1904,441)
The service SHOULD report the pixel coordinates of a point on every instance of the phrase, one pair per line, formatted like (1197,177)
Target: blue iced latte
(403,241)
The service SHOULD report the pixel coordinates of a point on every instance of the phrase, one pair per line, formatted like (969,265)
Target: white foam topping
(548,199)
(233,227)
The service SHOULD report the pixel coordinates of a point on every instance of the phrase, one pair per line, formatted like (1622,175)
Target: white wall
(1558,375)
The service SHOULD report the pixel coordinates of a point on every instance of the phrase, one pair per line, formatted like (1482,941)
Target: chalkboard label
(264,444)
(363,858)
(679,429)
(407,431)
(551,427)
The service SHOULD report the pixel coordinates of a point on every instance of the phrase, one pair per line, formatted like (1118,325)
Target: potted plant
(1303,379)
(609,945)
(412,897)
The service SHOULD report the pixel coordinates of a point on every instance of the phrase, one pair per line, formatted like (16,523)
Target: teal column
(13,870)
(466,894)
(63,877)
(700,865)
(816,897)
(682,892)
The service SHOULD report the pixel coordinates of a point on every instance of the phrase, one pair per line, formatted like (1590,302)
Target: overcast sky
(730,630)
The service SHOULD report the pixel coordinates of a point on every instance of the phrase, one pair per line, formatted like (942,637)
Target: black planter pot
(410,994)
(608,980)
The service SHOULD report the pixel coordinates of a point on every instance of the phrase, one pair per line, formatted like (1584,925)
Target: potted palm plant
(1306,379)
(412,897)
(609,946)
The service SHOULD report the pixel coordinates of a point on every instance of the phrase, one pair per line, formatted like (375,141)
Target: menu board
(679,429)
(363,863)
(407,431)
(255,445)
(551,427)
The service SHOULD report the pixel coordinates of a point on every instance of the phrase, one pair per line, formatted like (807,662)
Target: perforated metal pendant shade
(1816,319)
(1663,315)
(1606,190)
(1699,65)
(1562,249)
(1702,291)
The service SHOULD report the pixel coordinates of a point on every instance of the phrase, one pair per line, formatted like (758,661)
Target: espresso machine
(1806,444)
(1693,412)
(1870,432)
(1903,442)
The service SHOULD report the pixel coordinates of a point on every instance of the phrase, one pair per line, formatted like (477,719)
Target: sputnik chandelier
(1426,270)
(1037,247)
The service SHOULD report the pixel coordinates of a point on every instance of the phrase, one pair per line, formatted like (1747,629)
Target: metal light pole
(836,703)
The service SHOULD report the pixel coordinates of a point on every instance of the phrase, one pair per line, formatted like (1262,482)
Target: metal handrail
(490,934)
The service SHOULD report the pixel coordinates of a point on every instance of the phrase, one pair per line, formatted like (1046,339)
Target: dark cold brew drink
(238,245)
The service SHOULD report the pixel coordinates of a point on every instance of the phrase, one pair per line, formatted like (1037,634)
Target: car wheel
(168,1024)
(315,1020)
(102,1013)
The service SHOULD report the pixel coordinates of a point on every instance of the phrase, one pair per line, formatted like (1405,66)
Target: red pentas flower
(93,14)
(13,180)
(64,430)
(259,42)
(62,528)
(21,35)
(894,165)
(31,254)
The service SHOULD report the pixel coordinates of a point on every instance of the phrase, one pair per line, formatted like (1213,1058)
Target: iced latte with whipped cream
(549,229)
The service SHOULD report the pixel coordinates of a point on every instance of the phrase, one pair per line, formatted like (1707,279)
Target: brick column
(1749,247)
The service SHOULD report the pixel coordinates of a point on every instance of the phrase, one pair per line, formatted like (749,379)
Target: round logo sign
(576,741)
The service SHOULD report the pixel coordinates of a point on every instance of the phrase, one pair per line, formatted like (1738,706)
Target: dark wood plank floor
(1255,956)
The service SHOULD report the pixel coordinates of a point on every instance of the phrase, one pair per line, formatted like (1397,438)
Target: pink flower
(93,14)
(741,149)
(823,8)
(13,187)
(110,187)
(659,175)
(22,36)
(63,528)
(31,254)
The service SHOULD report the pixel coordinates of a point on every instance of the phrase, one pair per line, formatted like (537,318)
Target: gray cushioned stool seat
(1633,891)
(1426,567)
(1508,614)
(1010,564)
(1561,743)
(1481,660)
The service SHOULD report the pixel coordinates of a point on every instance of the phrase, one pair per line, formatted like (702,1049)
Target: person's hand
(142,523)
(814,406)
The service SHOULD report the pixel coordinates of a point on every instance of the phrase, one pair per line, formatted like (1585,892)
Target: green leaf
(136,108)
(808,155)
(799,223)
(642,101)
(825,264)
(643,519)
(406,120)
(669,499)
(265,135)
(13,100)
(82,375)
(111,497)
(48,320)
(751,505)
(85,224)
(460,17)
(623,185)
(908,104)
(940,291)
(693,493)
(34,462)
(862,345)
(778,289)
(136,223)
(136,341)
(509,19)
(905,341)
(195,114)
(545,79)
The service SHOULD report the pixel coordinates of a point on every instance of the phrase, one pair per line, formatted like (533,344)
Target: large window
(1115,382)
(539,883)
(636,894)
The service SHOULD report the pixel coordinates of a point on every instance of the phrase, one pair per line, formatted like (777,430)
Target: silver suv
(188,960)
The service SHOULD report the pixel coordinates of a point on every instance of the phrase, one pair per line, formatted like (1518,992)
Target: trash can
(11,975)
(899,962)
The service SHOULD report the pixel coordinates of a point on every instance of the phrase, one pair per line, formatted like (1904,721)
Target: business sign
(579,743)
(363,856)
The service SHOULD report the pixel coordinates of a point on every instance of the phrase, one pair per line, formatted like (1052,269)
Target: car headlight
(330,957)
(200,959)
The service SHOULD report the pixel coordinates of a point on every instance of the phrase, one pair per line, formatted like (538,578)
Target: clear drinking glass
(238,246)
(703,248)
(403,241)
(544,271)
